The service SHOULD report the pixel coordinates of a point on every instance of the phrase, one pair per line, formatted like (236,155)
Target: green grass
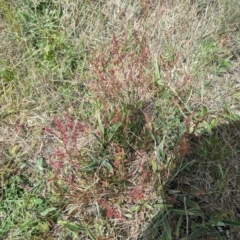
(119,119)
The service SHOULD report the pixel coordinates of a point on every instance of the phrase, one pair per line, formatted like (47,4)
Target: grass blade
(158,75)
(184,166)
(179,223)
(90,233)
(112,131)
(101,127)
(231,223)
(195,234)
(191,212)
(167,227)
(189,202)
(213,230)
(90,167)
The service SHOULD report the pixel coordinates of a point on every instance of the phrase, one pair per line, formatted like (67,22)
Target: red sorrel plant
(136,194)
(122,84)
(121,76)
(111,211)
(66,157)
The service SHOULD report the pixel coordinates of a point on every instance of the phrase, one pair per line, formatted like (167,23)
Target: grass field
(119,119)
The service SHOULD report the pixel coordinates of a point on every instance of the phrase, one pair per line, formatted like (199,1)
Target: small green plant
(25,211)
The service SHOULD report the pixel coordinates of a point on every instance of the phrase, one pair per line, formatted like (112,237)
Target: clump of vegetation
(119,120)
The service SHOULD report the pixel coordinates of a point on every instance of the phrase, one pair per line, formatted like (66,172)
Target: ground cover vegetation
(119,119)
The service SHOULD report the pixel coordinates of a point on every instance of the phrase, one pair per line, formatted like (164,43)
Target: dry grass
(107,108)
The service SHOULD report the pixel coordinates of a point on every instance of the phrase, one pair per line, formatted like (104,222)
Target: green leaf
(106,164)
(93,158)
(165,236)
(213,123)
(195,212)
(43,227)
(178,211)
(128,215)
(99,140)
(179,223)
(72,226)
(195,234)
(148,206)
(112,131)
(46,211)
(231,223)
(154,166)
(160,153)
(13,151)
(220,170)
(90,167)
(191,212)
(134,208)
(158,78)
(213,230)
(163,206)
(204,111)
(189,202)
(101,127)
(167,227)
(40,164)
(89,232)
(223,175)
(35,200)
